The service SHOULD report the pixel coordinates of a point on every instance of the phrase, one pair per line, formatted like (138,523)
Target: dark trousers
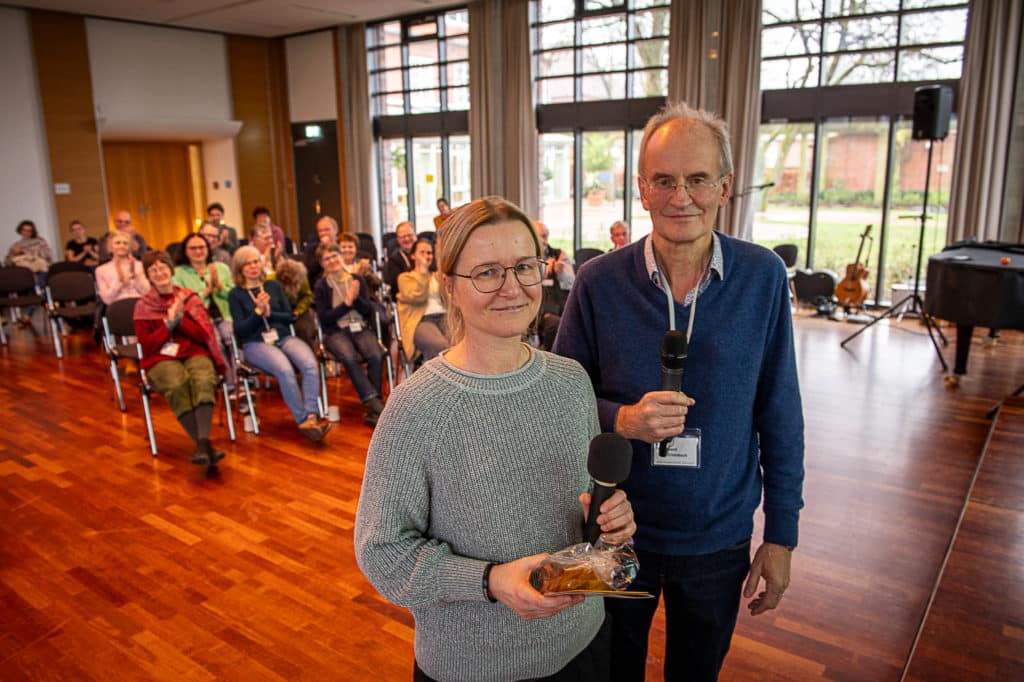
(702,599)
(590,665)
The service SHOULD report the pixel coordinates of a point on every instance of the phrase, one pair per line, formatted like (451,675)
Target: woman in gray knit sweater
(475,474)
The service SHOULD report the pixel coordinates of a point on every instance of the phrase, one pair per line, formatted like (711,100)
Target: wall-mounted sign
(61,188)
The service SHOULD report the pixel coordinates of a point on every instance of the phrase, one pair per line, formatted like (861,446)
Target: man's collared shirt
(716,266)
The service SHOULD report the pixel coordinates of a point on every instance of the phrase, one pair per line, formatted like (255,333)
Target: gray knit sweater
(464,469)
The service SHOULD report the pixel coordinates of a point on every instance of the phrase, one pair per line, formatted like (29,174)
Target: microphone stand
(916,303)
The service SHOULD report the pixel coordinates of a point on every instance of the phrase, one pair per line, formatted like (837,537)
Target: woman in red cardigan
(180,352)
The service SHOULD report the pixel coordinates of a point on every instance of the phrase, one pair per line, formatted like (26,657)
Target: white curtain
(722,73)
(985,110)
(740,88)
(689,45)
(359,186)
(502,131)
(485,79)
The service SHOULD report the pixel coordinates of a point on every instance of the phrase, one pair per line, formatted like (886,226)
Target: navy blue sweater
(742,373)
(248,325)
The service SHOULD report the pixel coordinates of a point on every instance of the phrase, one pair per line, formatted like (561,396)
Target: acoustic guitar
(853,289)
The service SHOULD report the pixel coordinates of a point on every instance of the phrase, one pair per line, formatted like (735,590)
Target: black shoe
(374,406)
(200,457)
(369,418)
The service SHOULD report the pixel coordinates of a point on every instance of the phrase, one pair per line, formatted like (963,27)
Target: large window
(839,77)
(600,68)
(818,43)
(419,89)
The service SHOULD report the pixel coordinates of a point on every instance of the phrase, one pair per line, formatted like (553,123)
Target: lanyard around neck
(667,288)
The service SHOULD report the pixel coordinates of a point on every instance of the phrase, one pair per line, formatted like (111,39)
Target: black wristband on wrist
(486,583)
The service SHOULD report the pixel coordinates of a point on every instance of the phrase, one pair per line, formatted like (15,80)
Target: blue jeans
(702,600)
(281,360)
(348,348)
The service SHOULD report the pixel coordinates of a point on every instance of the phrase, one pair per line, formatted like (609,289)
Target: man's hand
(771,563)
(657,416)
(616,517)
(510,584)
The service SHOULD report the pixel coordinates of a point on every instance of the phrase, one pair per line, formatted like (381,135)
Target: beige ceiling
(268,18)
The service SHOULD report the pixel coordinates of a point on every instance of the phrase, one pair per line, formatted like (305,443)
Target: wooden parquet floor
(116,565)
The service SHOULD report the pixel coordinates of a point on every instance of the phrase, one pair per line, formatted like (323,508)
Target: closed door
(317,178)
(156,182)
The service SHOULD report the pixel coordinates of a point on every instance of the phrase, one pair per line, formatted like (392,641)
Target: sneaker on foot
(311,429)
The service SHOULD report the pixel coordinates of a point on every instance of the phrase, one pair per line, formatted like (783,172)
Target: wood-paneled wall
(259,93)
(65,87)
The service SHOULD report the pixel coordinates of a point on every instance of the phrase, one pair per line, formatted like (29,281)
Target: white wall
(311,83)
(156,83)
(221,167)
(147,73)
(25,190)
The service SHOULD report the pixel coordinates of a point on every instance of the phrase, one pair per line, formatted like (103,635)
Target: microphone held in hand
(674,349)
(609,461)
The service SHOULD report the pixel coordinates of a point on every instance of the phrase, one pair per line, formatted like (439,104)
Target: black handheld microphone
(609,461)
(673,361)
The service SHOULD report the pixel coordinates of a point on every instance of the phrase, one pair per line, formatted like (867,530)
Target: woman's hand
(263,304)
(422,262)
(616,517)
(510,584)
(177,309)
(353,292)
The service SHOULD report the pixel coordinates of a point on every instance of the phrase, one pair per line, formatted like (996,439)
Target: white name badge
(270,336)
(355,327)
(170,349)
(683,451)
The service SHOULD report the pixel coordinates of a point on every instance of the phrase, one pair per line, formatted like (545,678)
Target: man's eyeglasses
(490,277)
(699,187)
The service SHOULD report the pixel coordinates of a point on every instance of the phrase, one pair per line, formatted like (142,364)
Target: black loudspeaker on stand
(933,105)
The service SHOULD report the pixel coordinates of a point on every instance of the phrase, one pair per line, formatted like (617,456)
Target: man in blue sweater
(736,427)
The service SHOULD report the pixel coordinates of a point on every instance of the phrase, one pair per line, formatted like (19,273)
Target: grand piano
(970,285)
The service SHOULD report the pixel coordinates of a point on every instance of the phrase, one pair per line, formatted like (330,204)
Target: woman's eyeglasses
(490,277)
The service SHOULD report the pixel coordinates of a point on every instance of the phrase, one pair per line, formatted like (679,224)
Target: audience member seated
(180,352)
(262,317)
(443,211)
(82,248)
(421,310)
(349,245)
(195,271)
(122,276)
(261,216)
(261,239)
(326,235)
(123,224)
(558,280)
(30,251)
(215,243)
(292,276)
(346,312)
(227,236)
(619,232)
(399,260)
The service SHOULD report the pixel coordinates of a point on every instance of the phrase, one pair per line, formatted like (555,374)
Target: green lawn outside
(838,235)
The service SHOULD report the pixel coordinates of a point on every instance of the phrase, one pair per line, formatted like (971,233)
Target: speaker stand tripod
(913,303)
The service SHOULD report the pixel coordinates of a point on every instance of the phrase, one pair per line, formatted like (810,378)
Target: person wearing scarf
(346,313)
(180,352)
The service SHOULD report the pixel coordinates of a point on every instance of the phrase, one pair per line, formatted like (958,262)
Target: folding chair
(70,295)
(408,364)
(585,254)
(121,344)
(17,290)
